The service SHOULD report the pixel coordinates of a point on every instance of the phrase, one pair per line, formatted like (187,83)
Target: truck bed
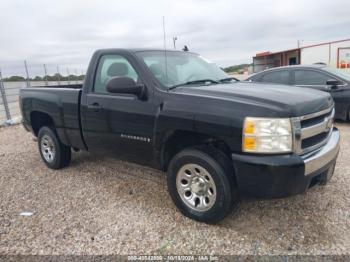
(61,104)
(72,86)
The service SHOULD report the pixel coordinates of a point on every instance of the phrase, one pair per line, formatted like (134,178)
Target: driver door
(118,123)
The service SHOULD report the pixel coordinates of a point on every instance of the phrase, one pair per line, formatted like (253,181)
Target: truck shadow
(299,220)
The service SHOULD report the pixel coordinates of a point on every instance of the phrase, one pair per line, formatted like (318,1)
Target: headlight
(267,135)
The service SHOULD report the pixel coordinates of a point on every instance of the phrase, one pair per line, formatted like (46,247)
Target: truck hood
(294,101)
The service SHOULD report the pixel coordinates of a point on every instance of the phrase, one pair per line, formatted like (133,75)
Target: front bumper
(284,175)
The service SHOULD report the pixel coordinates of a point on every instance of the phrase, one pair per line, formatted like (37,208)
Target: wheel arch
(176,141)
(39,119)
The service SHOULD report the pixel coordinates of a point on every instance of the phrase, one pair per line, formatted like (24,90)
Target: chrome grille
(312,131)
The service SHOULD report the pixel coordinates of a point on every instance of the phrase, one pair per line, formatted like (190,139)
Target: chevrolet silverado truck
(217,138)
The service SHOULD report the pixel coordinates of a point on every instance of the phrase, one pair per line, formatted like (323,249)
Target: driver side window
(112,66)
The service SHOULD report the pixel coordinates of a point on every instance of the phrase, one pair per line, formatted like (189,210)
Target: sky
(227,32)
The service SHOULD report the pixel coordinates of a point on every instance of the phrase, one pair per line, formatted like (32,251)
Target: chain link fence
(9,91)
(4,109)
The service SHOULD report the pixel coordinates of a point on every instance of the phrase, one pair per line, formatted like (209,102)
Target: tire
(213,190)
(54,154)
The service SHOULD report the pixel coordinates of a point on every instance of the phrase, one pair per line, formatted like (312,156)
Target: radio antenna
(165,53)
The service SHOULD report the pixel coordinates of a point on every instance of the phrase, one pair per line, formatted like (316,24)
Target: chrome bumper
(323,156)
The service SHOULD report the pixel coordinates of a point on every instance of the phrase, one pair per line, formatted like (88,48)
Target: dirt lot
(105,206)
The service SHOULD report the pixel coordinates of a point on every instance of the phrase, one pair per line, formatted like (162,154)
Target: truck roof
(134,50)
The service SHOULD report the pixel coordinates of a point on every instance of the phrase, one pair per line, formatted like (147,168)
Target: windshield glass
(342,73)
(176,68)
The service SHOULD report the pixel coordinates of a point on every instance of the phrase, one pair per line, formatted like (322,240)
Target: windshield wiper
(228,79)
(201,81)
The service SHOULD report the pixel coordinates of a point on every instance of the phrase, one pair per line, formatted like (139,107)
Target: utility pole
(58,76)
(299,43)
(68,76)
(45,77)
(26,67)
(4,99)
(76,76)
(174,41)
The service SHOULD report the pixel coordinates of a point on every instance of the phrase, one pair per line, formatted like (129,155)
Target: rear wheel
(54,154)
(201,184)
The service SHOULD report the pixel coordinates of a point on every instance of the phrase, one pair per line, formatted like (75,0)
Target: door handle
(95,107)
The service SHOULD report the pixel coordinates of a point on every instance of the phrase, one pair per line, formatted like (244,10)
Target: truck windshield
(175,68)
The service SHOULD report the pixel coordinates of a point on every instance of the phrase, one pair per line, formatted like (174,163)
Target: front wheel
(54,154)
(201,184)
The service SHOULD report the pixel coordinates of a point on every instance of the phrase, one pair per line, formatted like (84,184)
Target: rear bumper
(284,175)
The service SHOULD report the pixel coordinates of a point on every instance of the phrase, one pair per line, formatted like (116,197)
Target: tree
(38,78)
(236,68)
(54,78)
(14,79)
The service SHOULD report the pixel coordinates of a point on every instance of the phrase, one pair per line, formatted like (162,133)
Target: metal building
(335,54)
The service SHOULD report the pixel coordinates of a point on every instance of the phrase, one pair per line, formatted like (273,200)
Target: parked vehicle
(318,76)
(217,138)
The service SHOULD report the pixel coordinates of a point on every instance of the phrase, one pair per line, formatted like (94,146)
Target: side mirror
(333,83)
(125,85)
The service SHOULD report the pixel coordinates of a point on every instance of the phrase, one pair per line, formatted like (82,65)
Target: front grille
(314,140)
(312,131)
(313,121)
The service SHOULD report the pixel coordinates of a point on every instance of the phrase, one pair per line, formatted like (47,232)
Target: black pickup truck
(217,138)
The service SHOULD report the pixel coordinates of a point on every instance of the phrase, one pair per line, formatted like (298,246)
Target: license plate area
(330,172)
(327,175)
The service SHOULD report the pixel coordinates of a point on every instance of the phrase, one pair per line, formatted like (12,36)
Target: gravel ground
(106,206)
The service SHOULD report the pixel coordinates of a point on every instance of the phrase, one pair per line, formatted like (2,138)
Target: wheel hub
(196,187)
(47,147)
